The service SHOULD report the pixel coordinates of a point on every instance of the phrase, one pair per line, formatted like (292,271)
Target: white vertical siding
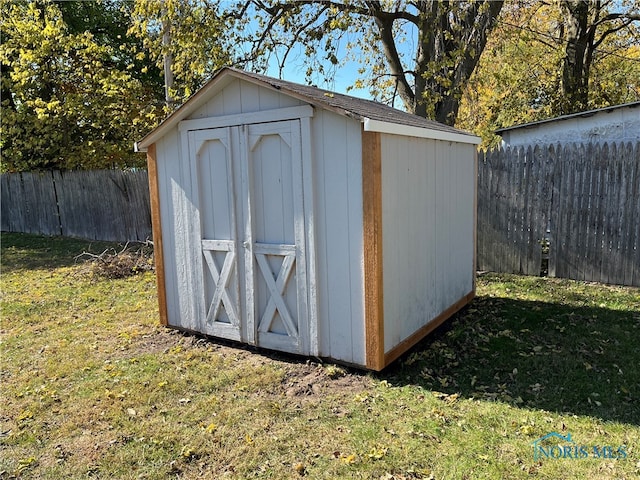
(427,221)
(243,97)
(337,191)
(337,154)
(175,225)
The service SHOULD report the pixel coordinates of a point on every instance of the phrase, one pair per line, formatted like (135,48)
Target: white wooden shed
(305,221)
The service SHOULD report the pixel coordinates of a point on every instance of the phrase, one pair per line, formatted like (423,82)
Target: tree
(424,52)
(65,102)
(201,39)
(520,75)
(108,22)
(585,27)
(447,40)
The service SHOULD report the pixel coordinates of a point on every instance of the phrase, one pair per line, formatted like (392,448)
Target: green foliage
(201,40)
(520,74)
(108,21)
(69,102)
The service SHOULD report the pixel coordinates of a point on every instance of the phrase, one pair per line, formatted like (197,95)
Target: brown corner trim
(410,341)
(156,227)
(372,233)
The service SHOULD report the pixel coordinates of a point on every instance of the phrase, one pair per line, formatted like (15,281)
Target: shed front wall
(428,221)
(337,154)
(335,181)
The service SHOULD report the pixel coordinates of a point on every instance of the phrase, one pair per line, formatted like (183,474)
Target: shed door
(212,178)
(274,236)
(247,184)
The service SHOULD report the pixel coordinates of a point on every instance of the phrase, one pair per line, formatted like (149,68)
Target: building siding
(427,221)
(338,192)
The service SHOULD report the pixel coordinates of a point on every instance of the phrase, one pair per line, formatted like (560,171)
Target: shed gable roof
(375,116)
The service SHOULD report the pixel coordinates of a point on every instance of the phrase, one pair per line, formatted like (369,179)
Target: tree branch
(610,31)
(385,26)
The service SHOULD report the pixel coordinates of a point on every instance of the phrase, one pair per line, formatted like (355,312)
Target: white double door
(250,272)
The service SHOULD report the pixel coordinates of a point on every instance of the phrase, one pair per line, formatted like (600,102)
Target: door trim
(264,116)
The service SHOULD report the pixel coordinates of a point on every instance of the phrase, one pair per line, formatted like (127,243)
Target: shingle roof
(361,109)
(358,107)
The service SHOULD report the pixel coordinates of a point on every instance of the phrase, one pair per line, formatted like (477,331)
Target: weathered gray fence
(578,204)
(97,204)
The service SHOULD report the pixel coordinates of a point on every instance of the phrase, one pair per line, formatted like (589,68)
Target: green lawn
(93,387)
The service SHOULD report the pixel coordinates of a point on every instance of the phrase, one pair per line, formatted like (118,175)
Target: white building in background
(620,123)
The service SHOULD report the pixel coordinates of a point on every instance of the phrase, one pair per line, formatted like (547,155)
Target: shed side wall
(428,231)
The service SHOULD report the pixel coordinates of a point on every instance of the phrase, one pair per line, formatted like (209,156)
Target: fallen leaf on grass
(188,452)
(348,459)
(377,453)
(526,429)
(26,463)
(212,427)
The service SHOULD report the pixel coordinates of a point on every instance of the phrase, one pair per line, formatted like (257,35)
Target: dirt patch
(303,378)
(311,380)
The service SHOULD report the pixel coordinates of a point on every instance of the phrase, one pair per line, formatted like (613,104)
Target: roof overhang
(411,131)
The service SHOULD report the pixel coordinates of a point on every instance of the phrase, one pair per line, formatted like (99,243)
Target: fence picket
(551,210)
(616,204)
(587,196)
(633,219)
(98,205)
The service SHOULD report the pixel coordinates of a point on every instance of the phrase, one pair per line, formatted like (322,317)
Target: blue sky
(347,71)
(294,71)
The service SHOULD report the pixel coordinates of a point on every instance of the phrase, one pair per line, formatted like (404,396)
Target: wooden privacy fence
(577,206)
(98,204)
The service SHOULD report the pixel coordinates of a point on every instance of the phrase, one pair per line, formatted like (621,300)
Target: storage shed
(310,222)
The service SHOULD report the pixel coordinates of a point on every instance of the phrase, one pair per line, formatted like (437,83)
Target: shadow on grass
(23,251)
(552,356)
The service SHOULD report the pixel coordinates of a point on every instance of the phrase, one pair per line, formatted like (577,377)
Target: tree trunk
(578,52)
(451,38)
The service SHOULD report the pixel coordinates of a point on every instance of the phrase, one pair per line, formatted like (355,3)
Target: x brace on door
(221,278)
(276,286)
